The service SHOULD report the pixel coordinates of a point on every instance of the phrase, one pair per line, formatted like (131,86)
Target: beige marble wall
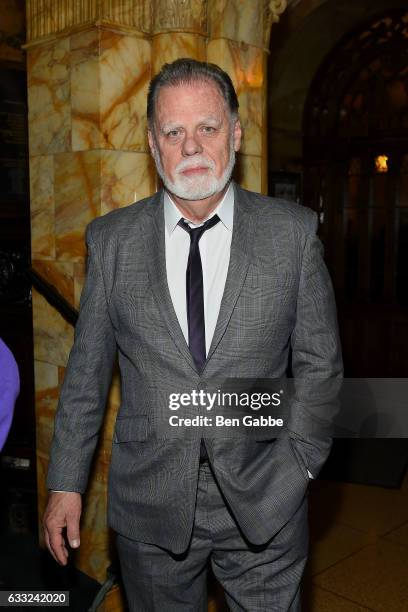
(89,65)
(169,46)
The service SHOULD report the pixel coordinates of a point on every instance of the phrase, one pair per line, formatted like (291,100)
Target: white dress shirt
(215,248)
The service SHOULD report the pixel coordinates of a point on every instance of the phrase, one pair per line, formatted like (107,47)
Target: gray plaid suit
(277,295)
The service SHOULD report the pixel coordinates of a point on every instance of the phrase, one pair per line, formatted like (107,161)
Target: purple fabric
(9,390)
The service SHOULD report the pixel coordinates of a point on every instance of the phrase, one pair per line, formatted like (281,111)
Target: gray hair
(185,71)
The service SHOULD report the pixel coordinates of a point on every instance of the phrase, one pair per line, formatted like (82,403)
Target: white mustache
(199,162)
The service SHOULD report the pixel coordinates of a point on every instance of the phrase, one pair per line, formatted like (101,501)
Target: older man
(202,282)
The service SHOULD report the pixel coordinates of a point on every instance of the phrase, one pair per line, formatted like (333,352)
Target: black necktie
(195,300)
(195,293)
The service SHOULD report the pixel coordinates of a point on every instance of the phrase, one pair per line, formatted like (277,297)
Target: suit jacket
(278,296)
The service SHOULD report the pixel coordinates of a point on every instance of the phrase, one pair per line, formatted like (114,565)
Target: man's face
(194,140)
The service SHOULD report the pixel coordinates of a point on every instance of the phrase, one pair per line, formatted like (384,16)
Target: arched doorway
(356,177)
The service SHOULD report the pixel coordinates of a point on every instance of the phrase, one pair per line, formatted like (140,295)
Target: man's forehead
(201,98)
(207,90)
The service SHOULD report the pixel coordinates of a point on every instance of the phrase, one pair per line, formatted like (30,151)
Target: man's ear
(152,141)
(237,135)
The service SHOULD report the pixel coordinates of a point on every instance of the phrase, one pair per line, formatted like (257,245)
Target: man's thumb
(73,536)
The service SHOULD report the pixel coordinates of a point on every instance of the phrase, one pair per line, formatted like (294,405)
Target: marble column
(179,29)
(238,41)
(89,64)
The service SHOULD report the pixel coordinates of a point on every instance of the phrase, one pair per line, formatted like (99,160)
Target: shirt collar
(225,211)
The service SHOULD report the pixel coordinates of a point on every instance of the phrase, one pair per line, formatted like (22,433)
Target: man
(184,304)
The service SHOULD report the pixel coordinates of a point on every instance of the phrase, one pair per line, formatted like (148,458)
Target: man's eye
(208,129)
(173,133)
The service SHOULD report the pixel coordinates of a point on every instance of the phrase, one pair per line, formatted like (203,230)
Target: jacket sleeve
(317,365)
(87,378)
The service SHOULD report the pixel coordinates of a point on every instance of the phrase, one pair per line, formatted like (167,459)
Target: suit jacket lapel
(153,237)
(241,245)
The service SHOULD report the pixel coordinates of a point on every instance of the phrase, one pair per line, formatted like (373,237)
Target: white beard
(196,187)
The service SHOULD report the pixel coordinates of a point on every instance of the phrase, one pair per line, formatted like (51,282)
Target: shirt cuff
(310,475)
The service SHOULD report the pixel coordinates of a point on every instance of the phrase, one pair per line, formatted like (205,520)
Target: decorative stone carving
(243,21)
(48,17)
(190,15)
(272,11)
(276,8)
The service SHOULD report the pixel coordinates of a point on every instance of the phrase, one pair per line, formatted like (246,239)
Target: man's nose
(191,145)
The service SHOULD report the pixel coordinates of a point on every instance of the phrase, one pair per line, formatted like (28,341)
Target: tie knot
(197,232)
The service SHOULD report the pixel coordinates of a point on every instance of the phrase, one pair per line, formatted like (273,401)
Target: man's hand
(63,510)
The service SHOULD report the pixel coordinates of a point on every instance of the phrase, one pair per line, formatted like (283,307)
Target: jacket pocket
(300,455)
(131,429)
